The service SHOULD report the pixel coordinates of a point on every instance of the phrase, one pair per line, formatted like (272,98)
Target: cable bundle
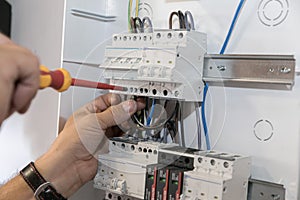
(186,20)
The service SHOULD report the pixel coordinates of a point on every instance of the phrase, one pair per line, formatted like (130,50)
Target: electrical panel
(167,66)
(160,64)
(152,170)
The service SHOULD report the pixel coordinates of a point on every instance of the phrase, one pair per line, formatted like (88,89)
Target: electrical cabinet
(260,123)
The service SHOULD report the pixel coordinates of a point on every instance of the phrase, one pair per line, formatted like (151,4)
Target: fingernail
(129,106)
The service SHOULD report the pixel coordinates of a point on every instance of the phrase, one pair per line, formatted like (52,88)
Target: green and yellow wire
(137,3)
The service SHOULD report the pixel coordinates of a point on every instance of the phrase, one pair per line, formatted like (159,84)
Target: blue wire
(151,113)
(236,15)
(204,118)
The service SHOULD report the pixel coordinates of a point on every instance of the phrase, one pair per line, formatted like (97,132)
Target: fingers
(140,103)
(27,81)
(19,78)
(117,114)
(103,102)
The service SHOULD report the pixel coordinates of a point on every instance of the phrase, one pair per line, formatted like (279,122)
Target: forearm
(58,172)
(16,189)
(62,179)
(53,169)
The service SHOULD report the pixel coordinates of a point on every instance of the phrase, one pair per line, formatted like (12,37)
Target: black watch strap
(42,189)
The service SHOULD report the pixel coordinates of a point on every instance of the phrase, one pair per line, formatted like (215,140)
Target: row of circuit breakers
(169,64)
(135,169)
(163,64)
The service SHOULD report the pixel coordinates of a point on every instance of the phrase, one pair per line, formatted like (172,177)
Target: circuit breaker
(152,170)
(161,64)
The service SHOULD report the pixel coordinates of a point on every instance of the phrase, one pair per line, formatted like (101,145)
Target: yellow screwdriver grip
(67,80)
(45,77)
(59,79)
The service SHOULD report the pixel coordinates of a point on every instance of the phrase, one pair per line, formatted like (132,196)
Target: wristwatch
(42,189)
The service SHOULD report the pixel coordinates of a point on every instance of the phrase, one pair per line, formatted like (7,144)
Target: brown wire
(171,19)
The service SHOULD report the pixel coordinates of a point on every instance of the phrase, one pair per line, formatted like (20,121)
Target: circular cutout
(154,91)
(226,164)
(200,160)
(158,35)
(123,146)
(263,130)
(212,162)
(273,12)
(132,147)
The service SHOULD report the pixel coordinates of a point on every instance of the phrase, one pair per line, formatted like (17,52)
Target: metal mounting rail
(254,71)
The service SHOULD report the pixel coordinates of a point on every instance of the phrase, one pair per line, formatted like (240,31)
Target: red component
(178,192)
(153,189)
(57,78)
(98,85)
(166,188)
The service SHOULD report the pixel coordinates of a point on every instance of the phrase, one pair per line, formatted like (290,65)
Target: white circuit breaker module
(161,64)
(149,170)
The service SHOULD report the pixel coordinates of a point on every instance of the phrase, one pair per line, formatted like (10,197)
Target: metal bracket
(255,71)
(261,190)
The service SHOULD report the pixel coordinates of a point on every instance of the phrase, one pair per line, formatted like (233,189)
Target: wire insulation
(189,21)
(149,119)
(233,23)
(149,22)
(207,140)
(171,19)
(137,4)
(181,20)
(198,120)
(129,15)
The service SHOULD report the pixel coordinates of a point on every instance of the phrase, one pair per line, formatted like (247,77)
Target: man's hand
(72,159)
(19,78)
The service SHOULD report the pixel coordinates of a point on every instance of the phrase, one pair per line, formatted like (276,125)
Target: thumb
(117,114)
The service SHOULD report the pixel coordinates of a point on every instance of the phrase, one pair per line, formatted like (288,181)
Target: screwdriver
(60,80)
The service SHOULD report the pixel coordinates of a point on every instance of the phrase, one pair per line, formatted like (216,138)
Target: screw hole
(154,91)
(226,164)
(165,92)
(200,160)
(212,162)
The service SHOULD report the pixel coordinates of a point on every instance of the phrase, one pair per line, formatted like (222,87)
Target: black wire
(171,19)
(140,25)
(132,25)
(181,20)
(181,125)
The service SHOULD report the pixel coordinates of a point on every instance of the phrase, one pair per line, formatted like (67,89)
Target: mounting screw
(285,70)
(221,68)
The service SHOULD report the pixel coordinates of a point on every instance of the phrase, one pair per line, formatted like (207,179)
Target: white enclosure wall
(37,25)
(234,114)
